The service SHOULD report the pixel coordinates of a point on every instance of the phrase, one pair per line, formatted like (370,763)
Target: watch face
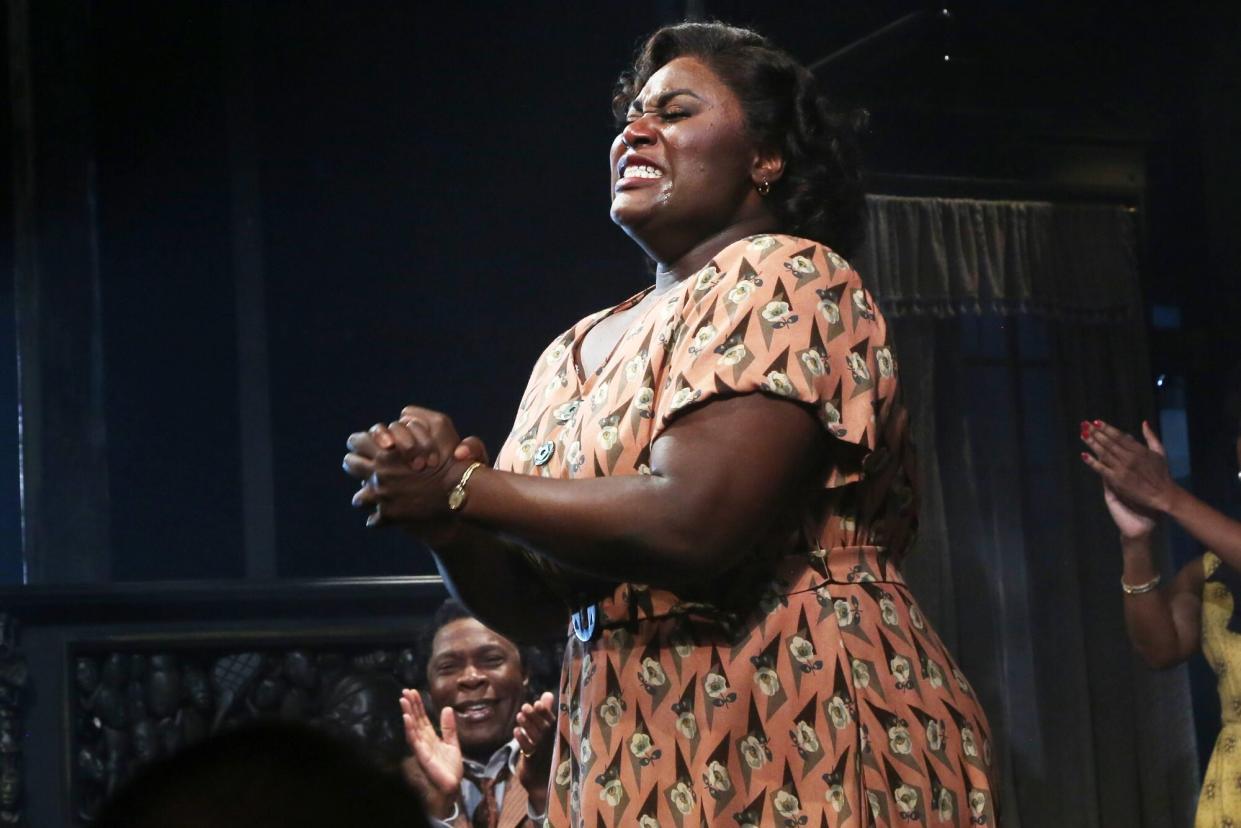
(455,498)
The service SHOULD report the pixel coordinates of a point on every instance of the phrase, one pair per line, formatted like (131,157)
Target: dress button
(544,453)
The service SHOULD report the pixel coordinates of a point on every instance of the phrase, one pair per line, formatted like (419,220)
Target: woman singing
(712,479)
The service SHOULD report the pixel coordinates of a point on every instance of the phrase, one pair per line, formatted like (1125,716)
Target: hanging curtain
(1014,321)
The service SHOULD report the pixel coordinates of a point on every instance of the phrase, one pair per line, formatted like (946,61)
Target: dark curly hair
(820,194)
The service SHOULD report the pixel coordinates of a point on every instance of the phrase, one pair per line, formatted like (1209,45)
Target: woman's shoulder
(775,267)
(780,254)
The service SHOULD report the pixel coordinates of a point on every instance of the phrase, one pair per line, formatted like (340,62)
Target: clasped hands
(408,467)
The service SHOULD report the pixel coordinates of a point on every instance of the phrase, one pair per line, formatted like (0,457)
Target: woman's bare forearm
(1213,529)
(720,477)
(1156,621)
(631,528)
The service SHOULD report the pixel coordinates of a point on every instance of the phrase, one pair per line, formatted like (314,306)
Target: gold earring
(763,187)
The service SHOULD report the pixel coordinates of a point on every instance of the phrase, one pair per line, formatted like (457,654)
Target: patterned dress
(803,687)
(1219,805)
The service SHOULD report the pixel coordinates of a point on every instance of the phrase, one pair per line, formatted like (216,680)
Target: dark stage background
(293,218)
(239,231)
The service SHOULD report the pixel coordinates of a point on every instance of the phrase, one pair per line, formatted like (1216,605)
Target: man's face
(478,673)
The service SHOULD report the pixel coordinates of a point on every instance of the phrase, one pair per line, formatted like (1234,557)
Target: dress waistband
(838,565)
(632,603)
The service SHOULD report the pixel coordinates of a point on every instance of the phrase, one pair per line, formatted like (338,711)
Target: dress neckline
(575,353)
(575,357)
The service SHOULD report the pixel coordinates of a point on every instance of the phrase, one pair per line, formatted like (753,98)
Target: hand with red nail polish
(1136,474)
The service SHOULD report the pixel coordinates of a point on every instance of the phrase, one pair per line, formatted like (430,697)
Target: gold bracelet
(456,498)
(1140,589)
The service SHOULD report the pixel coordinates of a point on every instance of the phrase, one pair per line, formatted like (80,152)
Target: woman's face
(682,167)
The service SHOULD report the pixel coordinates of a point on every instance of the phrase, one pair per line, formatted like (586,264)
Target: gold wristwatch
(456,498)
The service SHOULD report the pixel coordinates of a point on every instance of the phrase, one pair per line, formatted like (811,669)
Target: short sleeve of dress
(788,317)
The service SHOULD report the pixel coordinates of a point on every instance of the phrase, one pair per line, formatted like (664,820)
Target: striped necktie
(487,814)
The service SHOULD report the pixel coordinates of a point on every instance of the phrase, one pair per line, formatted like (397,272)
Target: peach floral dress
(803,687)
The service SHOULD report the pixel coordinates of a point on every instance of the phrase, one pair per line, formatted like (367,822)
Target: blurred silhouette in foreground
(267,775)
